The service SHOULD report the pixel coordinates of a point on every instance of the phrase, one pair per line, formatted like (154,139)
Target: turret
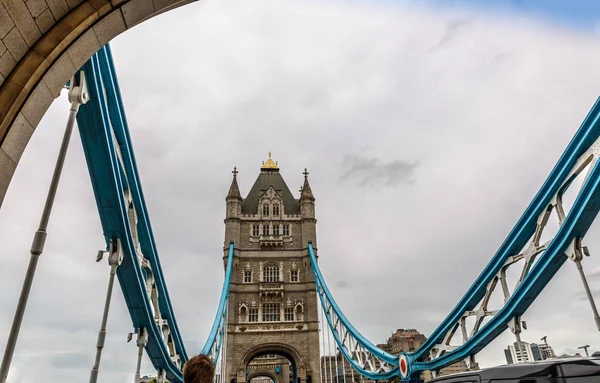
(234,211)
(307,212)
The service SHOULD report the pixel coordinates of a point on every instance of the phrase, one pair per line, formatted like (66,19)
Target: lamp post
(585,348)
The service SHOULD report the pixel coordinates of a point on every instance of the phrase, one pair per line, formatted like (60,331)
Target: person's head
(199,369)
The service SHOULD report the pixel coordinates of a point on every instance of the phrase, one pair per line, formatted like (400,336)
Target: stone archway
(284,350)
(41,48)
(270,375)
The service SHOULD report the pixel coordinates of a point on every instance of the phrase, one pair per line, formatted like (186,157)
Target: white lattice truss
(151,287)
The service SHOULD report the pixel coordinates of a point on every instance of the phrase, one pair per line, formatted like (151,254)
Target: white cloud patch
(484,105)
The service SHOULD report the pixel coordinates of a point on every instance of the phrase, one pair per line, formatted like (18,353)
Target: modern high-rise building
(528,352)
(520,352)
(547,351)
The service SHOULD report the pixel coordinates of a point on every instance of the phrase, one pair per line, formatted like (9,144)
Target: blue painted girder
(326,295)
(98,120)
(218,329)
(576,224)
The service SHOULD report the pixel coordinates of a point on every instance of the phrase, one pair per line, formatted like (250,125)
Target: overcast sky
(426,132)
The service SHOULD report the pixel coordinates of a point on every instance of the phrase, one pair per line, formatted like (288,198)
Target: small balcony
(270,290)
(270,240)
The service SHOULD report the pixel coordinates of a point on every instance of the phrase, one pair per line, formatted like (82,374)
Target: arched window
(276,210)
(265,210)
(271,273)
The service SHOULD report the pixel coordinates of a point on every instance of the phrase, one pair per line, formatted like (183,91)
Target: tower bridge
(275,305)
(272,293)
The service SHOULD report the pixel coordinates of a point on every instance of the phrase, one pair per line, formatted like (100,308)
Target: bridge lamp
(100,255)
(585,348)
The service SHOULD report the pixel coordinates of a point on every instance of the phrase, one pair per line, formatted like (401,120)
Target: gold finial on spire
(270,164)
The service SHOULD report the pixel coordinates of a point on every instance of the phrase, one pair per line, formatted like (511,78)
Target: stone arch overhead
(273,348)
(42,44)
(258,374)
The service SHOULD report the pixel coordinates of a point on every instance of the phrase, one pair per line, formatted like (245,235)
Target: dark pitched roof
(266,178)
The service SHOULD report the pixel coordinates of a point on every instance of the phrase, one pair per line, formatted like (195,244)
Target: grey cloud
(452,29)
(595,274)
(582,296)
(343,284)
(69,361)
(371,171)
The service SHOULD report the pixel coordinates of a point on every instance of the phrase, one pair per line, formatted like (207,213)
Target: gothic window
(275,229)
(286,229)
(247,276)
(265,230)
(266,210)
(253,314)
(255,231)
(271,273)
(276,210)
(294,276)
(288,314)
(271,312)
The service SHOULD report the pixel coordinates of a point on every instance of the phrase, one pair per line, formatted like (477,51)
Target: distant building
(455,368)
(536,351)
(335,369)
(520,352)
(405,340)
(409,340)
(564,356)
(547,351)
(528,352)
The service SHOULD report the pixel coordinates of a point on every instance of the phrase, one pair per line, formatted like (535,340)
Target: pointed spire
(234,190)
(306,192)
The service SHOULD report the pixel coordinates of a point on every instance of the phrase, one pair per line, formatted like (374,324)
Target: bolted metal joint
(116,253)
(78,91)
(161,376)
(142,337)
(576,251)
(39,239)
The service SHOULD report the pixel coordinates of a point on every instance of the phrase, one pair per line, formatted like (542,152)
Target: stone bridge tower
(273,300)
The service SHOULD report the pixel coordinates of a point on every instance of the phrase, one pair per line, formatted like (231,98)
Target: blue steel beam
(213,344)
(576,224)
(338,323)
(574,227)
(113,172)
